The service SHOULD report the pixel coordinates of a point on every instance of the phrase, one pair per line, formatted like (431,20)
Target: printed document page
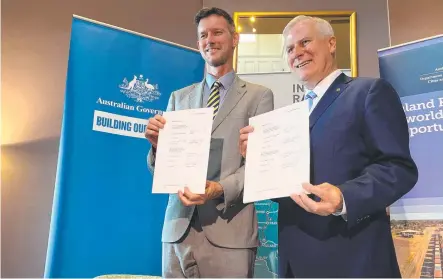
(183,151)
(278,153)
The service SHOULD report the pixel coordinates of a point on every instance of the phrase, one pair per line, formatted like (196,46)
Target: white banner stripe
(119,124)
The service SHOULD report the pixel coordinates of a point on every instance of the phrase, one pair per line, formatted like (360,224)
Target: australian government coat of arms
(140,89)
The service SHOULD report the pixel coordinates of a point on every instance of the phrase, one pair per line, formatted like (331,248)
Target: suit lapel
(233,96)
(336,88)
(196,96)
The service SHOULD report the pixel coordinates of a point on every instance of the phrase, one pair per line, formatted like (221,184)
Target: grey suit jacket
(226,221)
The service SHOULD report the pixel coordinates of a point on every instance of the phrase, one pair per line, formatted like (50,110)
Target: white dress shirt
(323,86)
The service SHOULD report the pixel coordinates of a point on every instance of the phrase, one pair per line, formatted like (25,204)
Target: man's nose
(298,51)
(210,38)
(295,56)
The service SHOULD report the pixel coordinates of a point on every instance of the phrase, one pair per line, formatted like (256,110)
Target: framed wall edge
(352,30)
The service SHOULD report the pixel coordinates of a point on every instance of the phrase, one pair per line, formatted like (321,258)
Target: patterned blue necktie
(310,96)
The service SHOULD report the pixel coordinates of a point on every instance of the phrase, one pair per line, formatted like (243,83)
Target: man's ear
(332,44)
(235,39)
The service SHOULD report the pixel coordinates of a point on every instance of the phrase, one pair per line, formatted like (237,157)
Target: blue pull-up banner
(415,70)
(105,220)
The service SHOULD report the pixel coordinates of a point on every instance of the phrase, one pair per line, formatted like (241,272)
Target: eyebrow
(297,42)
(304,39)
(211,29)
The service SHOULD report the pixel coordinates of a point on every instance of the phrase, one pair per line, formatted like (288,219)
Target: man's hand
(213,190)
(330,195)
(154,125)
(243,141)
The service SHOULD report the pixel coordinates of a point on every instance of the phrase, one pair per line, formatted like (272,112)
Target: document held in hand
(278,154)
(183,151)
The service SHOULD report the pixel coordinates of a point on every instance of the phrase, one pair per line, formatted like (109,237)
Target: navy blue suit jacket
(360,143)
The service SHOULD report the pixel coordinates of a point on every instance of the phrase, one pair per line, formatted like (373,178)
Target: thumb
(318,191)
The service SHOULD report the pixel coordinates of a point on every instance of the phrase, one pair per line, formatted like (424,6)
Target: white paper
(278,154)
(183,151)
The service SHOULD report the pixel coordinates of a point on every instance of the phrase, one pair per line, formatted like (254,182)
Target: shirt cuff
(343,211)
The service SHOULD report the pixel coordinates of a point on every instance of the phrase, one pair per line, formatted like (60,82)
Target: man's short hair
(206,12)
(323,26)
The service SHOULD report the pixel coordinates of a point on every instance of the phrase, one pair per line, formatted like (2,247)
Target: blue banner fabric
(415,70)
(105,220)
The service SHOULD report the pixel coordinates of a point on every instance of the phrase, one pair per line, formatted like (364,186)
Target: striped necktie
(214,98)
(310,96)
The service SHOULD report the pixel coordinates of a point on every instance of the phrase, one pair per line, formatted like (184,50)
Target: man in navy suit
(360,164)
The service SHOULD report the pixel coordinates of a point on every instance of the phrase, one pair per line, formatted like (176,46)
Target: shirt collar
(226,80)
(321,88)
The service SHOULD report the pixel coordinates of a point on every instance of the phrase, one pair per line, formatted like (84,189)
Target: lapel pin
(338,90)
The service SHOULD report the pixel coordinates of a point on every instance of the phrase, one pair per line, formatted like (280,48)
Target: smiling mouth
(302,64)
(212,50)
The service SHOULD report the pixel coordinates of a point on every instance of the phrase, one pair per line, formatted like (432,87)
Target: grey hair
(323,26)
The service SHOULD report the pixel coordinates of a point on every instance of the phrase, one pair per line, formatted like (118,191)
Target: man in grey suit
(215,234)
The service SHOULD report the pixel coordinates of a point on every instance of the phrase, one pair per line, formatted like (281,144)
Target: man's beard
(218,62)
